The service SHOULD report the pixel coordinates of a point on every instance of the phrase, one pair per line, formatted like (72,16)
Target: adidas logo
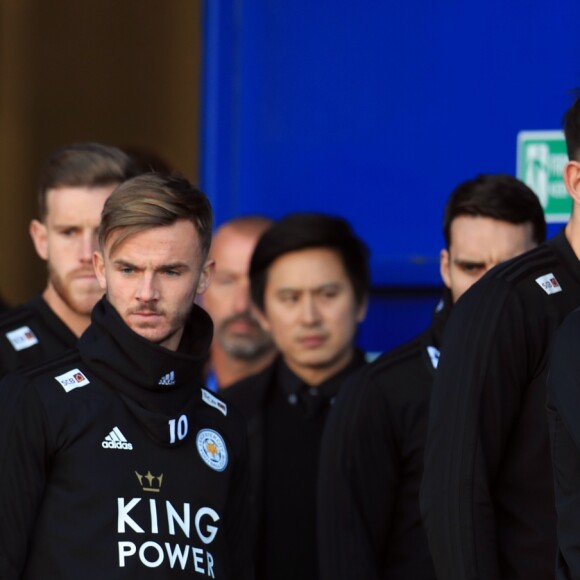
(168,379)
(116,440)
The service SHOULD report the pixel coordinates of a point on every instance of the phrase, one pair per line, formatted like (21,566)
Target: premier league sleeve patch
(22,338)
(72,380)
(212,449)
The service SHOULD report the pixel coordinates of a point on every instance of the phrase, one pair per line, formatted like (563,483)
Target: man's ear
(444,267)
(205,276)
(99,267)
(362,310)
(571,176)
(261,318)
(39,236)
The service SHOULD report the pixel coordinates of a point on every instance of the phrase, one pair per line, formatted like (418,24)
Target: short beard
(246,347)
(82,306)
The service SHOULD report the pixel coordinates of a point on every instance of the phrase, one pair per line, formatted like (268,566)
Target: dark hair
(300,231)
(83,165)
(571,124)
(501,197)
(149,161)
(152,200)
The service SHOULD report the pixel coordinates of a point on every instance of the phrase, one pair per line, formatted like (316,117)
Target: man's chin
(84,287)
(237,342)
(249,336)
(85,303)
(249,349)
(148,331)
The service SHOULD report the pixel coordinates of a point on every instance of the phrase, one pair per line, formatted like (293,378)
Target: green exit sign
(541,159)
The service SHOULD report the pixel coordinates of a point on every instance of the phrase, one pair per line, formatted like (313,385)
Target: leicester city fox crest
(212,449)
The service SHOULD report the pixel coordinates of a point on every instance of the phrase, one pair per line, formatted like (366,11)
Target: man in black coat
(309,279)
(115,462)
(487,494)
(73,184)
(372,452)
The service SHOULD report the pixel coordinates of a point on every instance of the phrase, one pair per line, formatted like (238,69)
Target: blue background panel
(396,316)
(376,110)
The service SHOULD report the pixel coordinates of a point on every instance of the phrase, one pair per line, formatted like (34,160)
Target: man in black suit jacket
(309,278)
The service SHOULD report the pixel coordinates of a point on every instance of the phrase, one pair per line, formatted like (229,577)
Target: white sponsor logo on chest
(72,380)
(549,284)
(212,401)
(22,338)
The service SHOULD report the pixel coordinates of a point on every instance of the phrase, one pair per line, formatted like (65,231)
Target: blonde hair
(152,200)
(83,165)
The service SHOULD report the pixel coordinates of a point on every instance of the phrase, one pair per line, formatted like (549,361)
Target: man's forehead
(315,259)
(494,247)
(308,269)
(59,198)
(229,237)
(180,236)
(233,251)
(54,192)
(65,210)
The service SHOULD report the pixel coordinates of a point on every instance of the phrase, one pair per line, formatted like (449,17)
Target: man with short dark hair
(487,495)
(73,185)
(240,347)
(114,461)
(371,458)
(479,217)
(309,278)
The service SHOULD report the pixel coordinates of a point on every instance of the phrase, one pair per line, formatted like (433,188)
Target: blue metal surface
(376,110)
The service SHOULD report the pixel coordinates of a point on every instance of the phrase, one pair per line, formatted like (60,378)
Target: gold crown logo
(146,481)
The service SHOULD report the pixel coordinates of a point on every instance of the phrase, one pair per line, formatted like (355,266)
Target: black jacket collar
(154,382)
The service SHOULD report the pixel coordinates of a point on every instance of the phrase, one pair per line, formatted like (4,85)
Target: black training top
(115,463)
(30,334)
(487,495)
(564,422)
(371,463)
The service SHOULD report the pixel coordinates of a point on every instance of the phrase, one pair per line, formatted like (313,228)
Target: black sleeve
(474,404)
(24,466)
(8,361)
(241,561)
(358,477)
(564,421)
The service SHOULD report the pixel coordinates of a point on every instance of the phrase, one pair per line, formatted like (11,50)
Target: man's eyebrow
(173,266)
(65,225)
(161,268)
(320,288)
(121,262)
(462,262)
